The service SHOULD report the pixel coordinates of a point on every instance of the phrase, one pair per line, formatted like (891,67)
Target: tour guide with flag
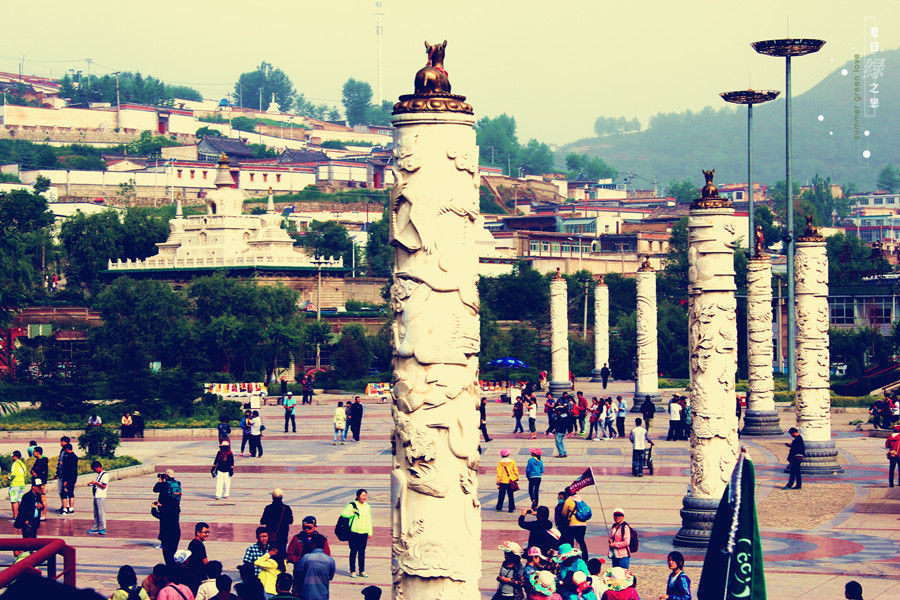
(733,568)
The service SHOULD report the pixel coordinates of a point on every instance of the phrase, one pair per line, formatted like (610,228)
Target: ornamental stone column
(601,328)
(435,514)
(646,383)
(712,344)
(813,403)
(761,417)
(559,336)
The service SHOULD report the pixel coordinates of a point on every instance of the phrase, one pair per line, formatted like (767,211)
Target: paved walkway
(861,541)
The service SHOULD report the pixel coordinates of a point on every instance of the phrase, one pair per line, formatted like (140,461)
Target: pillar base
(761,422)
(595,376)
(820,459)
(697,518)
(655,398)
(558,387)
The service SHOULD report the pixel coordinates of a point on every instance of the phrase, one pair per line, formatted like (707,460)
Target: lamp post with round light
(787,48)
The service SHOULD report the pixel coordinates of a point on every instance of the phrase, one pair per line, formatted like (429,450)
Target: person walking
(678,586)
(620,540)
(223,429)
(40,469)
(507,480)
(59,465)
(596,417)
(17,487)
(611,416)
(314,572)
(69,475)
(167,508)
(289,403)
(648,410)
(893,450)
(223,469)
(256,429)
(482,412)
(640,442)
(674,420)
(621,413)
(245,429)
(583,410)
(356,416)
(797,450)
(560,425)
(307,389)
(518,413)
(340,424)
(534,472)
(284,388)
(531,408)
(277,517)
(604,375)
(99,488)
(28,518)
(360,514)
(576,522)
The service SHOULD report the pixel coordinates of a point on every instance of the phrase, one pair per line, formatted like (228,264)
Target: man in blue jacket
(313,573)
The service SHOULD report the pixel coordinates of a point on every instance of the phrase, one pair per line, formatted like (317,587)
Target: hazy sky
(554,66)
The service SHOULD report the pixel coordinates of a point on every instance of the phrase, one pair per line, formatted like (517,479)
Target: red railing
(42,550)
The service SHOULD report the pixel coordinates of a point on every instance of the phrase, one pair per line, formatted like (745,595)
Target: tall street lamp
(749,97)
(787,48)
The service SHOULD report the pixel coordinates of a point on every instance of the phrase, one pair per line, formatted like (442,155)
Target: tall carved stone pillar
(647,381)
(761,417)
(435,513)
(712,344)
(559,336)
(601,328)
(813,403)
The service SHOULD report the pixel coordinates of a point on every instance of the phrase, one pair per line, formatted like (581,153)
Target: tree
(380,115)
(379,252)
(763,217)
(132,87)
(582,166)
(523,294)
(351,356)
(497,141)
(889,179)
(850,259)
(148,144)
(683,191)
(327,238)
(255,89)
(207,132)
(536,158)
(88,243)
(356,96)
(141,231)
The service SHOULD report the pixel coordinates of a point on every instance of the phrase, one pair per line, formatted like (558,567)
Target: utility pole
(118,113)
(584,327)
(89,61)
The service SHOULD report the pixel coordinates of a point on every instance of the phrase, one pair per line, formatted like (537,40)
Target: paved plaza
(836,529)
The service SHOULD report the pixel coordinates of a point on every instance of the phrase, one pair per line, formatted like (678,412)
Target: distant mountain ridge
(679,145)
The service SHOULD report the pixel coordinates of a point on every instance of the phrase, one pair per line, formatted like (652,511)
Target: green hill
(678,145)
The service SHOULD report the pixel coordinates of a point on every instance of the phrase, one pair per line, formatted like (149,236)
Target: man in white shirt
(532,415)
(256,429)
(674,420)
(640,442)
(99,486)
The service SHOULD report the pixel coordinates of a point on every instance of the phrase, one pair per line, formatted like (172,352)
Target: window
(534,246)
(877,310)
(566,248)
(251,176)
(179,173)
(265,176)
(545,246)
(878,201)
(278,177)
(739,195)
(204,174)
(554,247)
(841,311)
(192,173)
(39,329)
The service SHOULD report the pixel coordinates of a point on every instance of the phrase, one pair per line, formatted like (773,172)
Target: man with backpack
(577,513)
(623,540)
(167,509)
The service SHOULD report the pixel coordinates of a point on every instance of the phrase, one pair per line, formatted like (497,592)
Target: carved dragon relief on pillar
(759,332)
(436,522)
(559,330)
(712,331)
(601,324)
(647,354)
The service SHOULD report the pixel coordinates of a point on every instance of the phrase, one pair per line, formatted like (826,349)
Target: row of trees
(611,125)
(499,146)
(80,88)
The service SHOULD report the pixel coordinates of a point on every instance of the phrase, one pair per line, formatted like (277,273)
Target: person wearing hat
(570,562)
(371,592)
(534,471)
(583,590)
(302,543)
(28,518)
(893,450)
(510,576)
(507,478)
(620,540)
(534,561)
(619,585)
(542,586)
(223,469)
(277,517)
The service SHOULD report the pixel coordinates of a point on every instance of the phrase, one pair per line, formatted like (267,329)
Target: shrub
(99,441)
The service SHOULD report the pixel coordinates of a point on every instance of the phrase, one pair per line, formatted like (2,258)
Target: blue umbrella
(508,362)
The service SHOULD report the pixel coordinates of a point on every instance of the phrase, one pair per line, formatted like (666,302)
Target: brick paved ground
(808,555)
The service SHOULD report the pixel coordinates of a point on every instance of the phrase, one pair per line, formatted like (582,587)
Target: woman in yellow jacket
(507,480)
(575,529)
(270,566)
(360,514)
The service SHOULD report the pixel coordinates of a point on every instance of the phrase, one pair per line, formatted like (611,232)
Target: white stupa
(225,237)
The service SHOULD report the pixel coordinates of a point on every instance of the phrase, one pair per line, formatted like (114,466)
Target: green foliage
(536,158)
(351,355)
(859,348)
(763,217)
(84,462)
(99,442)
(888,179)
(327,238)
(214,118)
(207,132)
(9,178)
(487,202)
(684,191)
(623,345)
(148,144)
(497,142)
(263,151)
(334,144)
(523,294)
(380,115)
(133,88)
(581,356)
(255,89)
(850,259)
(582,166)
(612,125)
(356,96)
(379,252)
(41,156)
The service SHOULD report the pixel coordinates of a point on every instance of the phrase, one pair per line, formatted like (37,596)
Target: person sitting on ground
(853,591)
(223,585)
(208,589)
(155,581)
(173,589)
(283,584)
(270,564)
(620,584)
(128,587)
